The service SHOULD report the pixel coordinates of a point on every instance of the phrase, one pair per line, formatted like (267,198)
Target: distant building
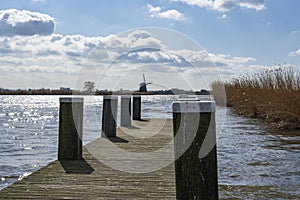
(65,89)
(143,85)
(204,92)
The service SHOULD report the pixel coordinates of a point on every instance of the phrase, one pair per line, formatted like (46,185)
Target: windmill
(143,85)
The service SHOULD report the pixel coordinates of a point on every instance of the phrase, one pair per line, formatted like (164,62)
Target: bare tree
(89,86)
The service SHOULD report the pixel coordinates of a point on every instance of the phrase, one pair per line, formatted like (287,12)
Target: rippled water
(253,163)
(29,133)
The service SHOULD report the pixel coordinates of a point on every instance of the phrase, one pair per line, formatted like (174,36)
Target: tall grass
(272,95)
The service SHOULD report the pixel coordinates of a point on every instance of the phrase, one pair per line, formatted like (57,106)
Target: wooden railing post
(125,110)
(70,129)
(195,150)
(136,109)
(109,116)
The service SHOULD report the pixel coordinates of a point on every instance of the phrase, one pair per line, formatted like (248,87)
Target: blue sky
(264,32)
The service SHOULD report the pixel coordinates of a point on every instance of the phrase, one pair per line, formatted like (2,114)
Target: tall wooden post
(125,110)
(195,150)
(70,129)
(136,109)
(109,116)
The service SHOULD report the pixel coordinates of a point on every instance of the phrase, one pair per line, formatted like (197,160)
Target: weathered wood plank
(91,179)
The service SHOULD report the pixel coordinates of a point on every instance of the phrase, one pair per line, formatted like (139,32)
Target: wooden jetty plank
(91,179)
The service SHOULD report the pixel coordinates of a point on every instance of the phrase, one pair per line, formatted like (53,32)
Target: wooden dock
(118,168)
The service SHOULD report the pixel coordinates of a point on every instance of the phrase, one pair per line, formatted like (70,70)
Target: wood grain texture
(89,178)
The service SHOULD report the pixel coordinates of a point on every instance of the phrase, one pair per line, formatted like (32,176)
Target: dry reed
(272,95)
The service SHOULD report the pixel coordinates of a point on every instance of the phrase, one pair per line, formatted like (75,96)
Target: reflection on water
(252,163)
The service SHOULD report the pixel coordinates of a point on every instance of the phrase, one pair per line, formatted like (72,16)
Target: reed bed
(272,95)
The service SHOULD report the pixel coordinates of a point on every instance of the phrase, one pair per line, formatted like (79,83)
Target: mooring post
(125,110)
(136,108)
(70,128)
(109,116)
(195,150)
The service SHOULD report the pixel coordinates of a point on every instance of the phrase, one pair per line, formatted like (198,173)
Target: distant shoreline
(101,92)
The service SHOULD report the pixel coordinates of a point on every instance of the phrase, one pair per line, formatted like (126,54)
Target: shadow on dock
(143,120)
(76,166)
(117,139)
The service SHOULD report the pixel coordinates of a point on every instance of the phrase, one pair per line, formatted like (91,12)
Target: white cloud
(253,4)
(22,22)
(23,56)
(32,56)
(243,59)
(224,16)
(171,14)
(153,9)
(54,60)
(295,53)
(203,58)
(168,14)
(155,56)
(225,5)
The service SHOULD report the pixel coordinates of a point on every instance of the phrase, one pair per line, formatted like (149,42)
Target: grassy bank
(272,95)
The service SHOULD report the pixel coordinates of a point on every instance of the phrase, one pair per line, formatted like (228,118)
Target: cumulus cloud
(225,5)
(142,39)
(168,14)
(22,22)
(207,59)
(57,53)
(295,53)
(58,59)
(152,55)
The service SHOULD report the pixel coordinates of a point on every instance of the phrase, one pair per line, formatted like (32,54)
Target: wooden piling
(195,150)
(136,109)
(109,116)
(125,110)
(70,129)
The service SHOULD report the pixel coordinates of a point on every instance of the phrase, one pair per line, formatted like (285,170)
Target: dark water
(253,163)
